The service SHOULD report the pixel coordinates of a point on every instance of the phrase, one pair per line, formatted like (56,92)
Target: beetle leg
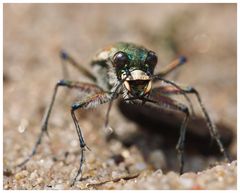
(212,129)
(69,59)
(166,102)
(114,95)
(170,90)
(90,102)
(172,66)
(83,87)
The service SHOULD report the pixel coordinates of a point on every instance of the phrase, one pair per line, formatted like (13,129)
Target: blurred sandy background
(33,36)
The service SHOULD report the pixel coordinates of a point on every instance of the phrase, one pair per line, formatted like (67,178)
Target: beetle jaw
(138,83)
(136,88)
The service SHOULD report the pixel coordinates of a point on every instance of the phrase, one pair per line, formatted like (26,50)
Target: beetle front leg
(166,102)
(65,57)
(92,101)
(172,66)
(83,87)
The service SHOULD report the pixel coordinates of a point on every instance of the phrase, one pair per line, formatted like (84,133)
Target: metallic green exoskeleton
(127,70)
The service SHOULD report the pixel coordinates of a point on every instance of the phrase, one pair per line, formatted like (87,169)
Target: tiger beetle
(127,70)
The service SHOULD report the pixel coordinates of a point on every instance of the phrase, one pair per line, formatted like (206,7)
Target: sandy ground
(142,154)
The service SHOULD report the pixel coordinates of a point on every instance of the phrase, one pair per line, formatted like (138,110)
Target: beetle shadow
(160,129)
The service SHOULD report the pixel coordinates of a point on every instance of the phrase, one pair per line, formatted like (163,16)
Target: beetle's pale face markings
(137,83)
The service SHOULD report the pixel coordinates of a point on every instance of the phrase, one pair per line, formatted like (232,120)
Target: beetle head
(137,68)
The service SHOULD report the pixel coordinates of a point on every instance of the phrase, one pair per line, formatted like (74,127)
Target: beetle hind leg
(176,89)
(212,129)
(167,102)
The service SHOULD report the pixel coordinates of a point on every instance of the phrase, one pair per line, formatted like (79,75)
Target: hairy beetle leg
(172,66)
(94,100)
(84,87)
(67,58)
(212,129)
(166,102)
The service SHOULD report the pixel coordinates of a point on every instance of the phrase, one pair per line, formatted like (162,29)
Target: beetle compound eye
(120,59)
(151,59)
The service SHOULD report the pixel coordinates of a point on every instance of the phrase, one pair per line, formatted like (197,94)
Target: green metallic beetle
(127,70)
